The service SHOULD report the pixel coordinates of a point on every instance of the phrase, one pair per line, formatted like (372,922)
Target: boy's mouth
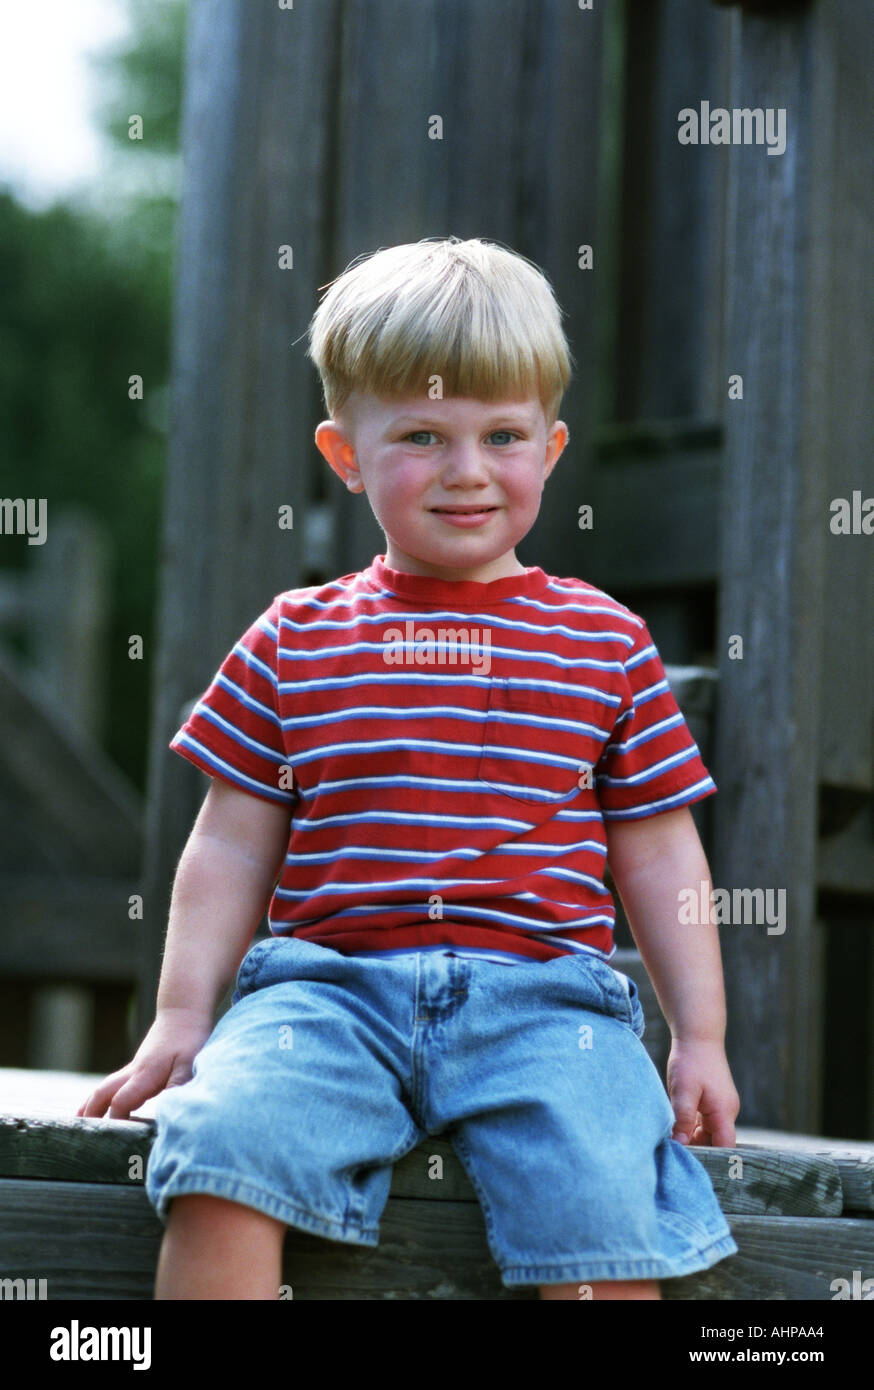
(463,511)
(464,518)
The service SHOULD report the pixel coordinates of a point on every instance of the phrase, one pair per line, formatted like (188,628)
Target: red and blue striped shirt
(449,753)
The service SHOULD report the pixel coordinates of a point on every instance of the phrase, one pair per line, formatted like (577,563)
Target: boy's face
(419,459)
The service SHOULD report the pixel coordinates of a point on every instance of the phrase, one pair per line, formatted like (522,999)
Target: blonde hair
(481,317)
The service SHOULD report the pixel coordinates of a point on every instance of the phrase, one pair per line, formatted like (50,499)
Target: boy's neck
(480,574)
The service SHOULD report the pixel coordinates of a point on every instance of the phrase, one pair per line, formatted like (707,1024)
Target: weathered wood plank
(418,1258)
(854,1159)
(79,808)
(845,860)
(116,1151)
(668,280)
(37,1095)
(846,746)
(70,639)
(42,1094)
(778,1258)
(93,1241)
(75,1150)
(782,1258)
(770,1183)
(263,81)
(88,1240)
(772,535)
(662,544)
(773,1183)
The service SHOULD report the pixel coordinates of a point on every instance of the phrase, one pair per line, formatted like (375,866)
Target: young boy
(423,768)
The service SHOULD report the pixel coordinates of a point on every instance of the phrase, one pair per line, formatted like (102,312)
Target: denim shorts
(327,1069)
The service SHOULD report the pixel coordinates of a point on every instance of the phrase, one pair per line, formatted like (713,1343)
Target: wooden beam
(662,544)
(846,745)
(74,800)
(845,862)
(773,527)
(782,1258)
(262,81)
(97,1241)
(762,1181)
(672,226)
(853,1158)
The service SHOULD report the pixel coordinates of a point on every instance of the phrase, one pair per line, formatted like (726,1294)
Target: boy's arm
(223,883)
(222,887)
(651,861)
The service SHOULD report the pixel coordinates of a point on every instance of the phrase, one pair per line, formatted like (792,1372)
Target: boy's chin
(470,568)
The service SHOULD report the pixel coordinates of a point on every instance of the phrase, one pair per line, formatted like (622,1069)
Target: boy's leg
(213,1248)
(233,1124)
(604,1288)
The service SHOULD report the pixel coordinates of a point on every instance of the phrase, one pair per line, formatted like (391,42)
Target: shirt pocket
(533,749)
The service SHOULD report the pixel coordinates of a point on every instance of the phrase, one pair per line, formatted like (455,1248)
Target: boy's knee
(192,1209)
(613,1289)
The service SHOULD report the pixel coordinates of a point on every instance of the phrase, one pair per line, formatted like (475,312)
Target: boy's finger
(134,1092)
(722,1133)
(685,1112)
(94,1107)
(685,1117)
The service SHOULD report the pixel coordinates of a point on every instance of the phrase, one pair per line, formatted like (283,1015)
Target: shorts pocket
(633,1008)
(621,999)
(245,980)
(638,1018)
(531,749)
(261,955)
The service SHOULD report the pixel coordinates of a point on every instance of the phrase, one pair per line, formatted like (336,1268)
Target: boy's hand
(704,1097)
(164,1058)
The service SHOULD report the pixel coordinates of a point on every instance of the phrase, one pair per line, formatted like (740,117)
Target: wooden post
(774,522)
(69,610)
(261,83)
(519,162)
(847,745)
(671,240)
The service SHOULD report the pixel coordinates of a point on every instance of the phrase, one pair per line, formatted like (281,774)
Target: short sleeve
(234,731)
(651,762)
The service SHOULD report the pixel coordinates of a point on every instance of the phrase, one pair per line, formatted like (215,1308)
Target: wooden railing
(71,841)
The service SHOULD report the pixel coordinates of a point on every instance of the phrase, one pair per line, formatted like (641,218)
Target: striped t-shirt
(448,752)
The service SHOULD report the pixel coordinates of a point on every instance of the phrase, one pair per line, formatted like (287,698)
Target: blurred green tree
(85,302)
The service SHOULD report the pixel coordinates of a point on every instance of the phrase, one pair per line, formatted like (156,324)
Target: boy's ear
(337,448)
(556,440)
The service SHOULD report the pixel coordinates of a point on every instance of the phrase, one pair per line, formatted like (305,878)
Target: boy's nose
(466,461)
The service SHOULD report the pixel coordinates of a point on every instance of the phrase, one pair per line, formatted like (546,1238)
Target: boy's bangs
(444,319)
(491,361)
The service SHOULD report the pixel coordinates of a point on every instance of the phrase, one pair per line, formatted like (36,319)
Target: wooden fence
(711,514)
(70,823)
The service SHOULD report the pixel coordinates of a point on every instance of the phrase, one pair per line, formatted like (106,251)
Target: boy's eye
(419,436)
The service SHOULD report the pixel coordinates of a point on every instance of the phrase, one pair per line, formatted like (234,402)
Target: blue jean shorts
(327,1069)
